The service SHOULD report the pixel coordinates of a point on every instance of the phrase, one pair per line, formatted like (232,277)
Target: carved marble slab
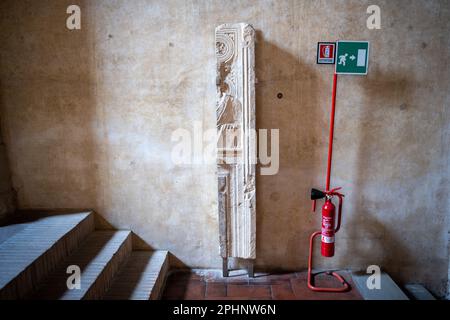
(235,53)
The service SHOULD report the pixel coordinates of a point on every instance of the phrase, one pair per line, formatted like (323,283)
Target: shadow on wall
(286,99)
(370,240)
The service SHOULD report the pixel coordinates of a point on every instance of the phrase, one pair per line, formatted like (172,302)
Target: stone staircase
(35,255)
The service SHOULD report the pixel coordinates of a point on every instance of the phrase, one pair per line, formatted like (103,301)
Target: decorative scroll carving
(235,52)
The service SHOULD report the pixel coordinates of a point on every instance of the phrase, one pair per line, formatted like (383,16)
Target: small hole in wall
(280,95)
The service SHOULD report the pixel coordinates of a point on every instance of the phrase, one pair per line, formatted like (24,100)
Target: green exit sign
(352,57)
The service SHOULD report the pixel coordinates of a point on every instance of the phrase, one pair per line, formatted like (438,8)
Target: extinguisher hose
(339,215)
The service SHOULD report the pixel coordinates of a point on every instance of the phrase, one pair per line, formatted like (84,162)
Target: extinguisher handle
(314,206)
(339,215)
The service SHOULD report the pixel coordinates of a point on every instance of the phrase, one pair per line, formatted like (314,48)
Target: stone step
(99,259)
(418,292)
(388,290)
(142,278)
(33,250)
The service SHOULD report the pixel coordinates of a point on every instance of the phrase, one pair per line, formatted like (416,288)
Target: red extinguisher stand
(329,224)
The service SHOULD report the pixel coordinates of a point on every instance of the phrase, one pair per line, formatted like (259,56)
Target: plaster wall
(88,114)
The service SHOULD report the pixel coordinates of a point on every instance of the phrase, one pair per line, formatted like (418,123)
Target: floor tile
(249,291)
(216,290)
(283,292)
(210,285)
(195,290)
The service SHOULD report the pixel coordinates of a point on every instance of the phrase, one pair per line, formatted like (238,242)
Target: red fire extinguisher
(330,226)
(328,211)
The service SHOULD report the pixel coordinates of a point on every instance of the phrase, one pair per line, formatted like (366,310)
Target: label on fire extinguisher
(326,239)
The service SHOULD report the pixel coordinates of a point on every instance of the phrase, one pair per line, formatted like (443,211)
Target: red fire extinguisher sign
(326,52)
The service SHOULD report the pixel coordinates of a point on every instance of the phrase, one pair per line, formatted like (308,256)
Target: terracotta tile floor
(209,285)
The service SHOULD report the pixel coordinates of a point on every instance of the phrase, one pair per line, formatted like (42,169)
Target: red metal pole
(345,286)
(330,143)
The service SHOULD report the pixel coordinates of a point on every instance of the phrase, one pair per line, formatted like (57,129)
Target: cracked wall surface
(88,117)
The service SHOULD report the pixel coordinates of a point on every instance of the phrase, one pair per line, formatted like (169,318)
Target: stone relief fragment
(236,147)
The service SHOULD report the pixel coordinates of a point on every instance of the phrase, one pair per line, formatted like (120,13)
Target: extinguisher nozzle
(317,194)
